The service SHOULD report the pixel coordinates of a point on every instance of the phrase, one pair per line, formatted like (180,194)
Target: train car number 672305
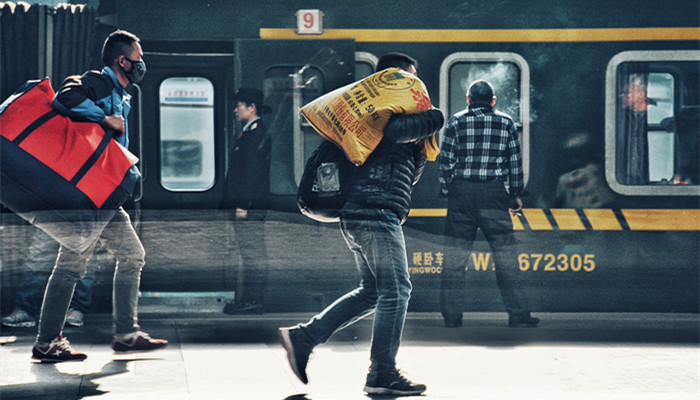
(556,262)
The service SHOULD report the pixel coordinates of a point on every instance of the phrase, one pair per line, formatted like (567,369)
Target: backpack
(325,183)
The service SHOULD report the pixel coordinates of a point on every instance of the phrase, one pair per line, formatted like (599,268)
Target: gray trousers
(120,239)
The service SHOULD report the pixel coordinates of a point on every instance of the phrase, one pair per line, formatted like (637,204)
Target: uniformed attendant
(247,191)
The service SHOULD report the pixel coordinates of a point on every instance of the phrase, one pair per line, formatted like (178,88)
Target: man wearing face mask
(100,97)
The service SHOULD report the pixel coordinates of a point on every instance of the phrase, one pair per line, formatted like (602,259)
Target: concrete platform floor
(219,356)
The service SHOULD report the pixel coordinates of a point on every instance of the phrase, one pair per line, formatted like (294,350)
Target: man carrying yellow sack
(370,221)
(354,116)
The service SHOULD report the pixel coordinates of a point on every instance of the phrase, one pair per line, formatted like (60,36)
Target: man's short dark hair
(480,93)
(396,60)
(118,43)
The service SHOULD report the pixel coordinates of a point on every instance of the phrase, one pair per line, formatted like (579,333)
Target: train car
(606,97)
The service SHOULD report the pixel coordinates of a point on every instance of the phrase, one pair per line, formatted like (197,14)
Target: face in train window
(504,76)
(187,134)
(657,123)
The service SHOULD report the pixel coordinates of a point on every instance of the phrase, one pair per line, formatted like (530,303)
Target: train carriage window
(187,134)
(652,123)
(510,75)
(365,64)
(287,88)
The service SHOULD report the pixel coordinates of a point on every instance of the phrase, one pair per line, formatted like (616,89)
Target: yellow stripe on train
(597,219)
(492,35)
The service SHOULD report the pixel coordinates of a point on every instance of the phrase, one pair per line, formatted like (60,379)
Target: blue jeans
(377,242)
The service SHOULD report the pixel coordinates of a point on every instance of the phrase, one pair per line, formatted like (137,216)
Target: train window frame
(611,103)
(495,57)
(366,58)
(299,124)
(208,165)
(138,93)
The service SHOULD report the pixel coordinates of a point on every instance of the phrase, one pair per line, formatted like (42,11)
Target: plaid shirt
(481,144)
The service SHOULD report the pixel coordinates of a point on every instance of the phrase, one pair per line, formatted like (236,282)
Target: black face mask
(138,70)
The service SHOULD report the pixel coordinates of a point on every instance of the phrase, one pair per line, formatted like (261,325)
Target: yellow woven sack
(354,116)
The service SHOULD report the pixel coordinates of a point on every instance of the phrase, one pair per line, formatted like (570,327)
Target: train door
(292,73)
(181,120)
(188,128)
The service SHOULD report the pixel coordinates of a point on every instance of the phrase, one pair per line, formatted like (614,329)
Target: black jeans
(472,206)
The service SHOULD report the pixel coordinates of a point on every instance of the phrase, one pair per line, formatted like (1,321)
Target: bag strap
(92,159)
(34,126)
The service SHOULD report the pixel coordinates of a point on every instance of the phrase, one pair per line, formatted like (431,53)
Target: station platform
(218,356)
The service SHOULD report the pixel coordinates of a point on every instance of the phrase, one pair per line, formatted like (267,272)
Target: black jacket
(386,179)
(248,175)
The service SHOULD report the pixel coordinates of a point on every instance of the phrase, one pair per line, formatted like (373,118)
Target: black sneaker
(58,350)
(298,351)
(522,321)
(393,382)
(250,307)
(453,323)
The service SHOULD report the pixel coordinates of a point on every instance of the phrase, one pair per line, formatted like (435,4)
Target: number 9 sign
(309,22)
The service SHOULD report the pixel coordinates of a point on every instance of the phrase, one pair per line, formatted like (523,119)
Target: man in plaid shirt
(481,151)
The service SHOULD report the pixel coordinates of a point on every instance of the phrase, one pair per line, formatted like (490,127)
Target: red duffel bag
(65,177)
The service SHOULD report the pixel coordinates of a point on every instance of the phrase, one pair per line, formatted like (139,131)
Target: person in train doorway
(247,194)
(479,152)
(100,96)
(377,205)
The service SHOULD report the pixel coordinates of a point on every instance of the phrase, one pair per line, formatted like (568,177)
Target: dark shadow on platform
(55,385)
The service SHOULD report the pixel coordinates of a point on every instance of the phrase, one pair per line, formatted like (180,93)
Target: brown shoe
(58,350)
(136,342)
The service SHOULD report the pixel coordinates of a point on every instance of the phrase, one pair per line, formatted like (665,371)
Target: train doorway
(292,73)
(188,125)
(182,120)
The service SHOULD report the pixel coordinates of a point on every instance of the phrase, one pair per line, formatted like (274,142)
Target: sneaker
(18,319)
(522,321)
(453,323)
(250,307)
(135,342)
(393,382)
(58,350)
(298,351)
(75,317)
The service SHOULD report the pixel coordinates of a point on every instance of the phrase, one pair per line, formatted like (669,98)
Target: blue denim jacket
(93,96)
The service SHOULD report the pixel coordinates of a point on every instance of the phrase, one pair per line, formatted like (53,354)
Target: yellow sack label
(354,116)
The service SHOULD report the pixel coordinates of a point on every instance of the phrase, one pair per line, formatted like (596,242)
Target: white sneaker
(74,318)
(18,319)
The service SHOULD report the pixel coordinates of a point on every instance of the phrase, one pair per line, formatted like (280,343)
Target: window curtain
(76,43)
(76,48)
(19,45)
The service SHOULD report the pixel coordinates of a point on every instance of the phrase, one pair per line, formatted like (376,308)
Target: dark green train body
(608,225)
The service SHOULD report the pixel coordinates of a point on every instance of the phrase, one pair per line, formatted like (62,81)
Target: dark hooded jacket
(386,179)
